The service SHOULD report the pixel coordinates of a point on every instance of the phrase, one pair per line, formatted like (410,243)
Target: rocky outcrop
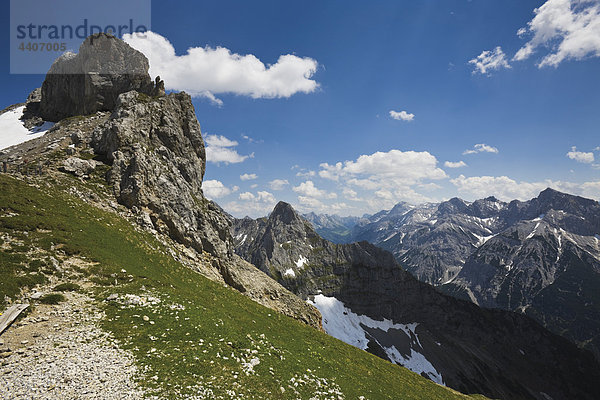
(493,352)
(92,79)
(158,161)
(78,167)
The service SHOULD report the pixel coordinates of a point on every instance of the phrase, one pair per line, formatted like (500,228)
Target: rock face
(158,161)
(497,353)
(92,79)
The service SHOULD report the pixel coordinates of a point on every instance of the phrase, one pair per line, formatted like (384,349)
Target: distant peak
(550,194)
(549,191)
(285,213)
(400,208)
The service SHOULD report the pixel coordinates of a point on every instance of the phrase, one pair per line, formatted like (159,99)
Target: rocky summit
(369,301)
(92,79)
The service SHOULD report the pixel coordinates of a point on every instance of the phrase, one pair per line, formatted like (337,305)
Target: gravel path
(59,352)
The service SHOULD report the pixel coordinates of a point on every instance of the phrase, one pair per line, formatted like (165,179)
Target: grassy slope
(198,338)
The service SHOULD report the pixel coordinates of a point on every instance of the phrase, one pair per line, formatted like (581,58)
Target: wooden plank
(10,315)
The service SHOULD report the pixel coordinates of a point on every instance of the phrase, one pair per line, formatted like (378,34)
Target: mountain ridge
(514,255)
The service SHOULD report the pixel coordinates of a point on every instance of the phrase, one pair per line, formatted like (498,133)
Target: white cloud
(266,197)
(310,202)
(395,172)
(214,189)
(489,61)
(309,189)
(247,196)
(248,177)
(219,149)
(570,29)
(402,115)
(506,188)
(207,71)
(581,156)
(350,194)
(278,184)
(306,174)
(457,164)
(254,205)
(251,140)
(481,148)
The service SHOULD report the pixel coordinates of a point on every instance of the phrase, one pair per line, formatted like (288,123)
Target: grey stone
(78,167)
(36,295)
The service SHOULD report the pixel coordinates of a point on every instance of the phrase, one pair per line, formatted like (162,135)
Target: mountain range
(368,300)
(539,257)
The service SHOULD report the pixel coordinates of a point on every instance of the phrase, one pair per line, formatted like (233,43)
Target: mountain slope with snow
(540,257)
(12,130)
(369,301)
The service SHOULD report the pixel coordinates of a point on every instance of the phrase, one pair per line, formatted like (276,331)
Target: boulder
(78,167)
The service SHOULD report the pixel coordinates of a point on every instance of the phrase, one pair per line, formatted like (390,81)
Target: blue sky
(355,61)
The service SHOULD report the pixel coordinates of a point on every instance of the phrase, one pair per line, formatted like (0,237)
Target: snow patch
(301,261)
(340,322)
(289,273)
(482,239)
(533,231)
(559,250)
(539,218)
(12,130)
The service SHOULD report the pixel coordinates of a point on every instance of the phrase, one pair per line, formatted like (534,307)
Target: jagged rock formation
(92,79)
(497,353)
(158,162)
(540,257)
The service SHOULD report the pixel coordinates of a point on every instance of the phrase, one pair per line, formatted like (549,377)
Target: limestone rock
(78,167)
(158,162)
